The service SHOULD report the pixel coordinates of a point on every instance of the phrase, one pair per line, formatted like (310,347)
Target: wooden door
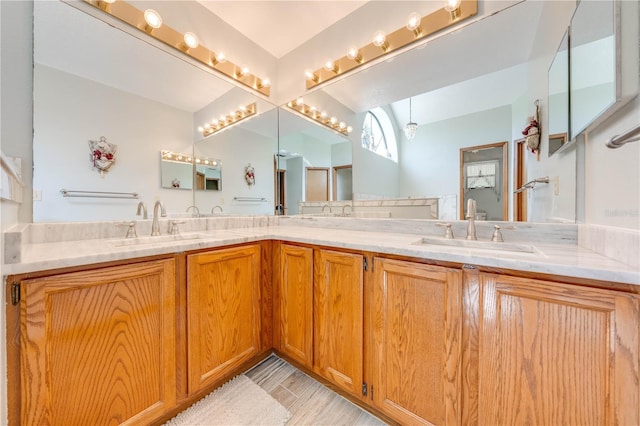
(294,304)
(223,294)
(414,362)
(338,318)
(520,202)
(317,184)
(554,354)
(98,347)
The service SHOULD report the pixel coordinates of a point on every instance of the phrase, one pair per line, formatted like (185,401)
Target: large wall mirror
(467,88)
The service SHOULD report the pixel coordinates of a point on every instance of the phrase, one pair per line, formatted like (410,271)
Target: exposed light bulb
(323,114)
(191,40)
(354,54)
(311,76)
(413,22)
(221,58)
(349,129)
(342,125)
(265,82)
(299,101)
(451,5)
(333,120)
(380,40)
(200,129)
(198,160)
(242,108)
(152,18)
(331,67)
(206,161)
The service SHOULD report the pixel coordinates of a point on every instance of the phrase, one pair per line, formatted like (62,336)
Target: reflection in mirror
(314,163)
(484,96)
(81,93)
(209,176)
(558,101)
(252,141)
(176,170)
(484,179)
(604,60)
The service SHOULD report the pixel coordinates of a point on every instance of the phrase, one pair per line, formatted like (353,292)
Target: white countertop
(557,259)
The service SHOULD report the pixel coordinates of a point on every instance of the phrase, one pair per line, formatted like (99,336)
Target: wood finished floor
(308,401)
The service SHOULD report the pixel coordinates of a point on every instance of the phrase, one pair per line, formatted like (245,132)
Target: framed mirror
(603,60)
(558,97)
(176,170)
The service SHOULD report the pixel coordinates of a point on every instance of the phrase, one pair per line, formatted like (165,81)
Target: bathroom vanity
(417,333)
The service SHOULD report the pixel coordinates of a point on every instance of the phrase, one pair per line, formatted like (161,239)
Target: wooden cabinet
(551,353)
(223,315)
(415,323)
(338,309)
(293,329)
(98,347)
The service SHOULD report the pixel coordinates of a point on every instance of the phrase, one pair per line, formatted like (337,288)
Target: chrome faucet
(344,207)
(471,217)
(155,225)
(142,208)
(196,210)
(213,209)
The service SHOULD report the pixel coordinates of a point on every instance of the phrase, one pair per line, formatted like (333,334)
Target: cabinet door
(338,318)
(415,319)
(223,294)
(98,347)
(552,353)
(294,304)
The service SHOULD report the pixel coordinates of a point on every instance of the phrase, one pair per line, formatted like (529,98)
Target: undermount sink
(154,240)
(479,245)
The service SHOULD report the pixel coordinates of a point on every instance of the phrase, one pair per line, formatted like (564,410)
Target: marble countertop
(557,259)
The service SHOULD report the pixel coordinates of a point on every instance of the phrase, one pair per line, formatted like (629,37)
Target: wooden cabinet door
(415,320)
(338,318)
(223,318)
(556,354)
(98,347)
(294,304)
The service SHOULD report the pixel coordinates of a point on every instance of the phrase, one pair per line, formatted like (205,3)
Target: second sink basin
(154,240)
(479,245)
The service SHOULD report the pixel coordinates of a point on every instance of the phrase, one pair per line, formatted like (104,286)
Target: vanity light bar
(298,106)
(184,158)
(384,45)
(172,38)
(229,119)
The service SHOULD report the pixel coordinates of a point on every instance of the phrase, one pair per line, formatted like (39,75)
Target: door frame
(334,183)
(505,175)
(519,179)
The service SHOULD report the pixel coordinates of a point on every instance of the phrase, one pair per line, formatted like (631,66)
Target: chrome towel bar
(98,194)
(618,140)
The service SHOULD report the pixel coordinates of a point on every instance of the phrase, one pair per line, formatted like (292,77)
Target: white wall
(237,148)
(294,186)
(64,122)
(430,163)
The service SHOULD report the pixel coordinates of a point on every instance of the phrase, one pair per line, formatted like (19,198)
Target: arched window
(378,135)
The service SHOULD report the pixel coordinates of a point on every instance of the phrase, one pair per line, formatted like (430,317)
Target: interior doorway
(317,184)
(342,183)
(520,178)
(484,178)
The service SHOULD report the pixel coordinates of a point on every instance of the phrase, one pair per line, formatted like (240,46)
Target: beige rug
(238,402)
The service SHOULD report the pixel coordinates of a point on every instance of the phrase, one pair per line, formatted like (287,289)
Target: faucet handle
(448,233)
(497,233)
(131,230)
(173,227)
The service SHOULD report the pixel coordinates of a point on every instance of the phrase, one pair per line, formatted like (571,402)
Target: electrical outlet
(37,195)
(556,185)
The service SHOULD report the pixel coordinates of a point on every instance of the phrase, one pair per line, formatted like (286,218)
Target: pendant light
(411,127)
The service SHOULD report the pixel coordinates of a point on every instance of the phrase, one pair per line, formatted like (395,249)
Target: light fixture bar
(174,39)
(429,24)
(228,120)
(299,107)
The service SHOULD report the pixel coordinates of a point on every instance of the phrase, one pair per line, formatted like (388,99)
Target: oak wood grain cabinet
(414,357)
(552,353)
(223,315)
(338,309)
(293,303)
(98,347)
